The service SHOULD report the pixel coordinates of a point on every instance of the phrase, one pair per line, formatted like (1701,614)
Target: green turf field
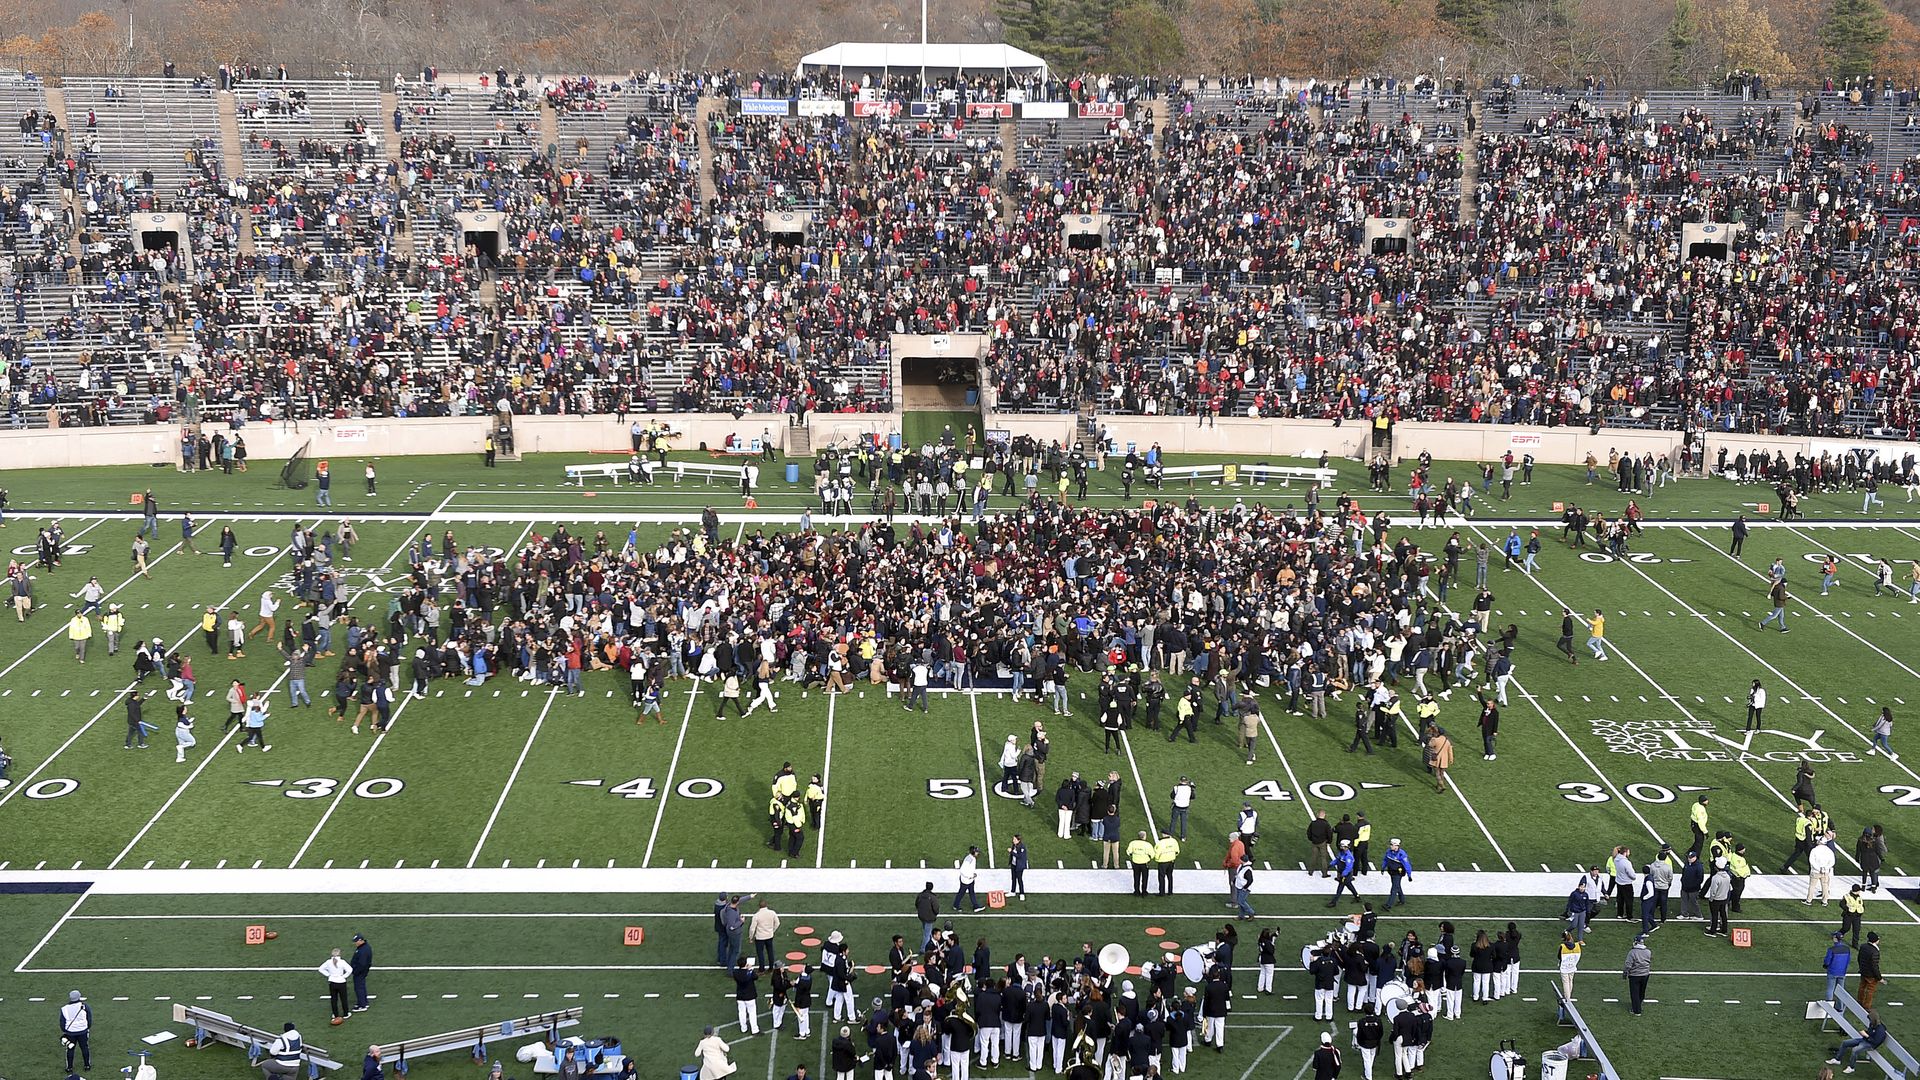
(513,777)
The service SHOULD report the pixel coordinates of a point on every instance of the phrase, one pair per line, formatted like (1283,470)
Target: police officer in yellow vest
(1738,866)
(1165,850)
(1363,832)
(816,801)
(1697,820)
(796,818)
(776,818)
(1140,856)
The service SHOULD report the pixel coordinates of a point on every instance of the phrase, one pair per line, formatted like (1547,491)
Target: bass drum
(1507,1065)
(1394,998)
(1308,952)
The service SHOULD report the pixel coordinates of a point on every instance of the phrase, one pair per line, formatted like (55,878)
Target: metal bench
(1850,1017)
(474,1039)
(1569,1016)
(212,1027)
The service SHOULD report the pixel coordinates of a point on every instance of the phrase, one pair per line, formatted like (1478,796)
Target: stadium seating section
(1543,282)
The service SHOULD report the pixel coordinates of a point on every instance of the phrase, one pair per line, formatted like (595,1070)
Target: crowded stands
(667,248)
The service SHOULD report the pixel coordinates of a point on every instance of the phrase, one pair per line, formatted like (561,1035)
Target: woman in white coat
(712,1054)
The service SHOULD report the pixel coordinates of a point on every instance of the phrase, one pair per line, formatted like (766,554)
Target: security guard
(1802,839)
(796,818)
(1697,819)
(1165,850)
(776,818)
(816,801)
(1741,870)
(1140,854)
(114,622)
(1363,835)
(785,783)
(283,1056)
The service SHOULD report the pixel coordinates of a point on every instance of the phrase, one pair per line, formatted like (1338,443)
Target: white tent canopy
(911,56)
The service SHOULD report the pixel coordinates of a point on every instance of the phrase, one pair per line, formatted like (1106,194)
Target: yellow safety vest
(1140,852)
(1167,850)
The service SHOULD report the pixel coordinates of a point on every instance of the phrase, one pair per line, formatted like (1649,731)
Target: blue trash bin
(973,398)
(689,1072)
(893,440)
(793,473)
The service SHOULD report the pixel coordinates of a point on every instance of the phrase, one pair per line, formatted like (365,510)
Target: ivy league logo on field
(1696,741)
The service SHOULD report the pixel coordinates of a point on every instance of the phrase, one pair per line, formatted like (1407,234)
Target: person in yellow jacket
(1140,857)
(1741,869)
(114,622)
(1165,850)
(796,819)
(1697,820)
(79,630)
(776,818)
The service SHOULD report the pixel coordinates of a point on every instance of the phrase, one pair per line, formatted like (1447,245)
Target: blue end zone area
(20,888)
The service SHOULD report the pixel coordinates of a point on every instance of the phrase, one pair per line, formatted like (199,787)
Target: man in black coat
(1326,1059)
(362,963)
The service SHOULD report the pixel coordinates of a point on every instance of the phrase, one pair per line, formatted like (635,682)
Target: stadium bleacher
(1542,284)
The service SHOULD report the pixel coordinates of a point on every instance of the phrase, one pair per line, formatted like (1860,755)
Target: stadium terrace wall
(377,437)
(1252,440)
(1258,439)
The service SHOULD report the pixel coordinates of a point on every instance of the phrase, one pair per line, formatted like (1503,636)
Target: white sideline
(589,513)
(806,879)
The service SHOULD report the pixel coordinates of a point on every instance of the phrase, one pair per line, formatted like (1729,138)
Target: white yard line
(986,788)
(341,792)
(553,695)
(1614,650)
(23,782)
(1454,783)
(1817,613)
(1783,677)
(62,632)
(1285,1030)
(660,812)
(191,777)
(381,736)
(1138,786)
(1618,795)
(1300,793)
(826,783)
(48,936)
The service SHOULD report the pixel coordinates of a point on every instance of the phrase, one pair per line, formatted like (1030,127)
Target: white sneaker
(238,749)
(266,748)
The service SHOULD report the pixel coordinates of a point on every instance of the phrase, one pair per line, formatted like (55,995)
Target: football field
(496,840)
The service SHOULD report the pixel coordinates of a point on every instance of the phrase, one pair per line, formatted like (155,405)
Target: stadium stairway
(389,104)
(549,126)
(231,162)
(1469,174)
(1010,142)
(707,111)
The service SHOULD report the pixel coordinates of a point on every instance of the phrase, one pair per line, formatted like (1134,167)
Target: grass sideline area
(511,776)
(449,961)
(418,485)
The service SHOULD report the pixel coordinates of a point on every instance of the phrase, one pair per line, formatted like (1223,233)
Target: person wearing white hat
(76,1022)
(1326,1059)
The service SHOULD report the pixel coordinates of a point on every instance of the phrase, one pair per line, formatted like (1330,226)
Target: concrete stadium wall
(1236,437)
